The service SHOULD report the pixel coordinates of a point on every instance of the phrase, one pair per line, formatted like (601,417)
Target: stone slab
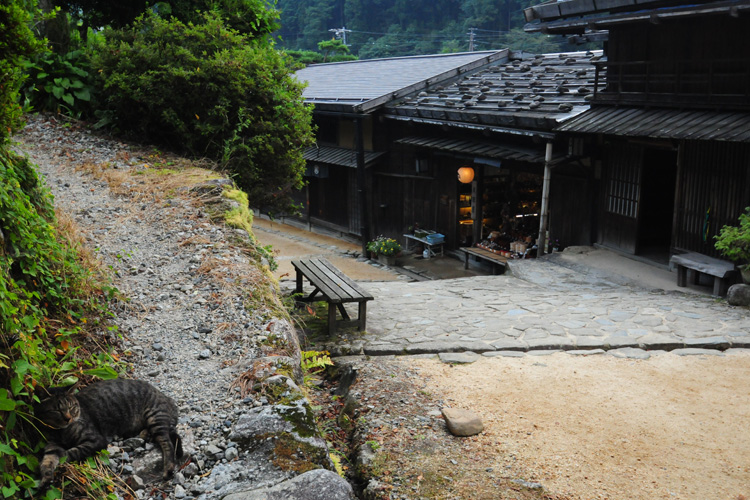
(691,351)
(630,353)
(458,357)
(504,354)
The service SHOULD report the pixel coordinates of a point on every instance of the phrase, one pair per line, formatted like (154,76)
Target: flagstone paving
(540,306)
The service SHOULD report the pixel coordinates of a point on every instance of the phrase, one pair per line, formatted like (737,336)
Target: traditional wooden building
(392,134)
(498,121)
(668,132)
(352,140)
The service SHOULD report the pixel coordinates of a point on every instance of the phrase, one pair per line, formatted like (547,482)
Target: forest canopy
(388,28)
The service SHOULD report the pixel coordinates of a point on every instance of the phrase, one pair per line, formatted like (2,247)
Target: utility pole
(340,33)
(471,39)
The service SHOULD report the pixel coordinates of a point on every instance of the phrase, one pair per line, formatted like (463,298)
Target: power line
(341,33)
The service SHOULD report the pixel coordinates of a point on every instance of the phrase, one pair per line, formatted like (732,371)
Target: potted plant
(386,249)
(734,243)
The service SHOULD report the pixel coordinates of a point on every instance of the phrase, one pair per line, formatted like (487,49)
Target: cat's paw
(47,471)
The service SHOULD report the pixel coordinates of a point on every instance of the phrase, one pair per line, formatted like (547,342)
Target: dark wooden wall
(571,207)
(714,180)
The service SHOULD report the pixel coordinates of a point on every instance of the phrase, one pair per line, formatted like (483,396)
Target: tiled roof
(663,124)
(526,92)
(363,85)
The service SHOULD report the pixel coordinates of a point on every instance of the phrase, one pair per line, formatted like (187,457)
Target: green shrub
(207,90)
(16,43)
(734,241)
(59,83)
(49,302)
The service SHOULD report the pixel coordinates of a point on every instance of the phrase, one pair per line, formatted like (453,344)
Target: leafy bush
(734,241)
(207,90)
(59,83)
(16,43)
(48,302)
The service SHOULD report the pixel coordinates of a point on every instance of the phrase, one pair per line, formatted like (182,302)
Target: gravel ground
(185,327)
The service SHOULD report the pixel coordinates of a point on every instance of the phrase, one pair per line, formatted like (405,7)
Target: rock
(133,443)
(179,492)
(458,357)
(462,422)
(629,352)
(230,454)
(135,482)
(739,295)
(318,484)
(212,449)
(204,354)
(190,470)
(528,484)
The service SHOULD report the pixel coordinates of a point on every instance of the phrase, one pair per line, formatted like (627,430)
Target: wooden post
(477,192)
(543,216)
(361,184)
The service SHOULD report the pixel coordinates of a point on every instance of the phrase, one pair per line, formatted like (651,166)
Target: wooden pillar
(361,184)
(544,216)
(477,194)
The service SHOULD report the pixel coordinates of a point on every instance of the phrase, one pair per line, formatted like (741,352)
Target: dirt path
(600,427)
(290,243)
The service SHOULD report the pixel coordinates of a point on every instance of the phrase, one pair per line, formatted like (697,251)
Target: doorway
(656,211)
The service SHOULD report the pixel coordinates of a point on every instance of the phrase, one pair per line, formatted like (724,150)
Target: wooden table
(335,287)
(721,270)
(424,241)
(495,259)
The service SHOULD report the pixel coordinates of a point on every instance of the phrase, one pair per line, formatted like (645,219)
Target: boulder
(318,484)
(739,295)
(462,422)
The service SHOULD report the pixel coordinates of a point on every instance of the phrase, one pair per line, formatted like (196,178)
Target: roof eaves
(602,22)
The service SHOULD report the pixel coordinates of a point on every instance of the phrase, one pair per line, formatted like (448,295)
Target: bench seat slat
(704,264)
(332,283)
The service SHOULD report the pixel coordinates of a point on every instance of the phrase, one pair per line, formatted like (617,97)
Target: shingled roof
(526,93)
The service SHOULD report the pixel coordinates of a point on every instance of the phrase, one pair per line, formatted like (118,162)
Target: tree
(252,17)
(332,48)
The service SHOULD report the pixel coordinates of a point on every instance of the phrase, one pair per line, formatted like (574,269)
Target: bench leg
(466,261)
(331,318)
(343,312)
(298,289)
(695,275)
(720,288)
(681,276)
(362,317)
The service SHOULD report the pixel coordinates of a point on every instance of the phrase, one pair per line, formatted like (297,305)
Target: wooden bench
(721,270)
(335,288)
(497,261)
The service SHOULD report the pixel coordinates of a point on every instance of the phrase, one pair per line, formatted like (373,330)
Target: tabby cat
(79,425)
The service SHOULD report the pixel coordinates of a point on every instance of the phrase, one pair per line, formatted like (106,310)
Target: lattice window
(623,190)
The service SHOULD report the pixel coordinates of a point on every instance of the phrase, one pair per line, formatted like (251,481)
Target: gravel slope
(186,279)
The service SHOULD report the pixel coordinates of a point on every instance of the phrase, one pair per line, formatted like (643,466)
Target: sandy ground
(601,427)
